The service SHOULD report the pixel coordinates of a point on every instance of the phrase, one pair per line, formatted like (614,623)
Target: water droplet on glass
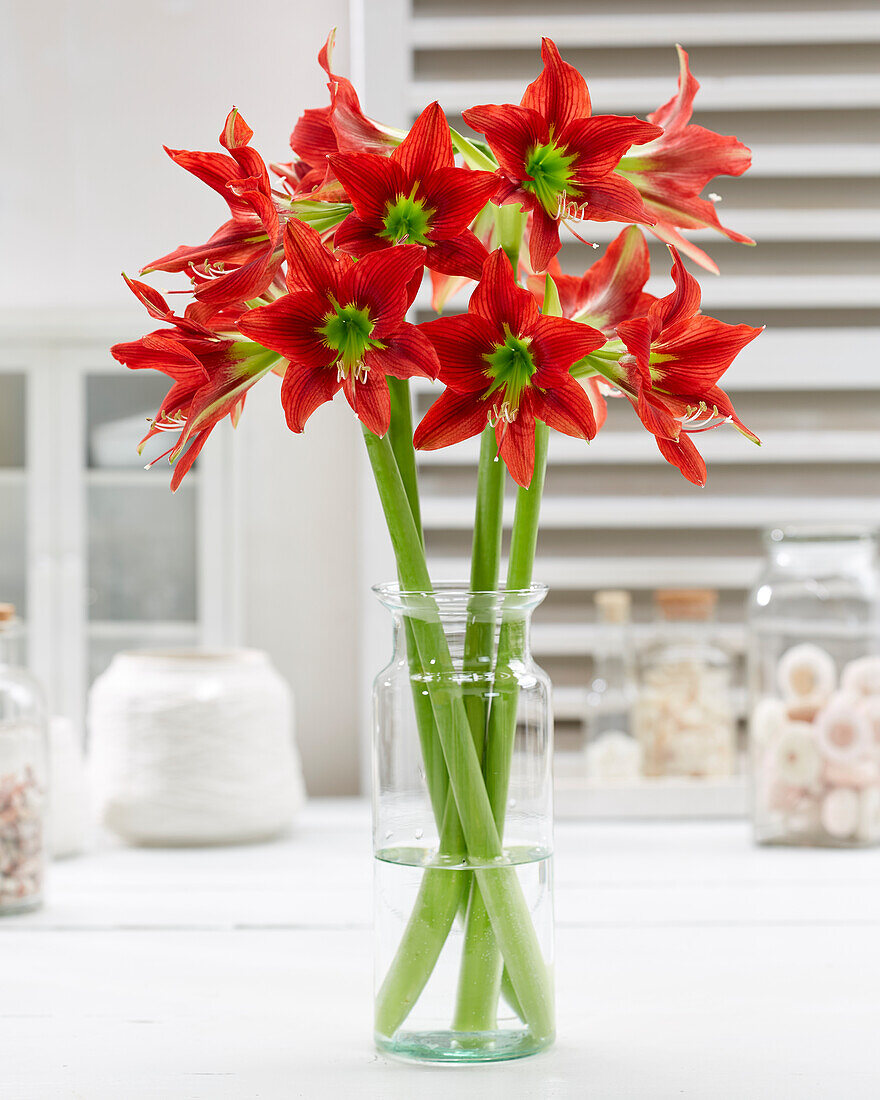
(419,834)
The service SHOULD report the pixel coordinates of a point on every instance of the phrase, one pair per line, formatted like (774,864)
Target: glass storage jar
(684,715)
(462,829)
(814,672)
(23,774)
(611,753)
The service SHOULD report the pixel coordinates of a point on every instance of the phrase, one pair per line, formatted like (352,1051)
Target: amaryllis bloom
(211,373)
(242,258)
(505,364)
(671,170)
(610,291)
(418,195)
(342,327)
(673,360)
(321,131)
(551,152)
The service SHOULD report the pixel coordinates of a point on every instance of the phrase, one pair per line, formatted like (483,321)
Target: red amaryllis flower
(342,327)
(211,374)
(674,358)
(672,170)
(321,131)
(504,363)
(551,151)
(242,258)
(416,194)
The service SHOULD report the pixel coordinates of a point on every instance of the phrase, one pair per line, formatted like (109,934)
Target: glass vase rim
(454,596)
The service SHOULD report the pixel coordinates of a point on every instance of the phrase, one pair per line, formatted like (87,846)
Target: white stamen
(713,197)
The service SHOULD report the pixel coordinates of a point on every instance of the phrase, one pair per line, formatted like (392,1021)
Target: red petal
(560,93)
(379,283)
(305,389)
(461,343)
(512,132)
(214,169)
(407,352)
(543,238)
(428,145)
(637,335)
(289,326)
(558,342)
(567,409)
(184,463)
(516,445)
(610,291)
(357,238)
(676,113)
(313,138)
(371,401)
(462,255)
(456,196)
(613,199)
(371,182)
(309,265)
(498,298)
(602,140)
(682,303)
(683,454)
(700,351)
(236,131)
(452,418)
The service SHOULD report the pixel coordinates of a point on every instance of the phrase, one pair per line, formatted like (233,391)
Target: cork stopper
(691,604)
(613,605)
(7,612)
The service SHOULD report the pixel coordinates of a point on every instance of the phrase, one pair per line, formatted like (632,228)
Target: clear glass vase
(462,829)
(814,670)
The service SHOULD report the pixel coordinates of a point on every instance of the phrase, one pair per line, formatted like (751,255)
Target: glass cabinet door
(141,539)
(13,489)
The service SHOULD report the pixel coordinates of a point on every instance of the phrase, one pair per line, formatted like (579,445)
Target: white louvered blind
(801,86)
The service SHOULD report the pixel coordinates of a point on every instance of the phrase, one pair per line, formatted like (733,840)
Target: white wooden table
(690,964)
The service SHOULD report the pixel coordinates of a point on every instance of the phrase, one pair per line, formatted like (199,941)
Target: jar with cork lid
(611,752)
(684,717)
(814,686)
(23,774)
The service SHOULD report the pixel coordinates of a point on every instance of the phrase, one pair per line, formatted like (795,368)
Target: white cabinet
(95,551)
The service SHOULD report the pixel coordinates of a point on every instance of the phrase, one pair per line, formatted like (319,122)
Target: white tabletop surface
(690,964)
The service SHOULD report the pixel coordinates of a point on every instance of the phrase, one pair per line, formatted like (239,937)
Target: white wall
(90,90)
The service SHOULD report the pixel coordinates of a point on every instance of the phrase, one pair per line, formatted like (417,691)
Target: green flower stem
(473,1010)
(481,977)
(400,435)
(499,885)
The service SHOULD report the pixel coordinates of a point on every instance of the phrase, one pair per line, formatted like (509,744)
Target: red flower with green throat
(211,369)
(550,150)
(506,364)
(418,195)
(670,362)
(341,326)
(672,170)
(241,259)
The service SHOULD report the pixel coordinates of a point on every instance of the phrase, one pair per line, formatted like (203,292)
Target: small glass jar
(814,672)
(462,829)
(684,716)
(23,775)
(611,753)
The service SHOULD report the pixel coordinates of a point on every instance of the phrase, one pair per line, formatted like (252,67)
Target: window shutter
(802,88)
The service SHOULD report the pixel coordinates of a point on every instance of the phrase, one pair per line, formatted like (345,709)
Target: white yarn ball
(192,747)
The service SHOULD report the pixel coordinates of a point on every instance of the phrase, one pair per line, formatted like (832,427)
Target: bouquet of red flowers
(312,278)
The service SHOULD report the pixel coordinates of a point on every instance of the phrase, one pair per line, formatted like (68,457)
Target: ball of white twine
(193,748)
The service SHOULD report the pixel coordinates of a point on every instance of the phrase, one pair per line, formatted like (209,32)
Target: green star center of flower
(549,169)
(347,331)
(510,366)
(406,218)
